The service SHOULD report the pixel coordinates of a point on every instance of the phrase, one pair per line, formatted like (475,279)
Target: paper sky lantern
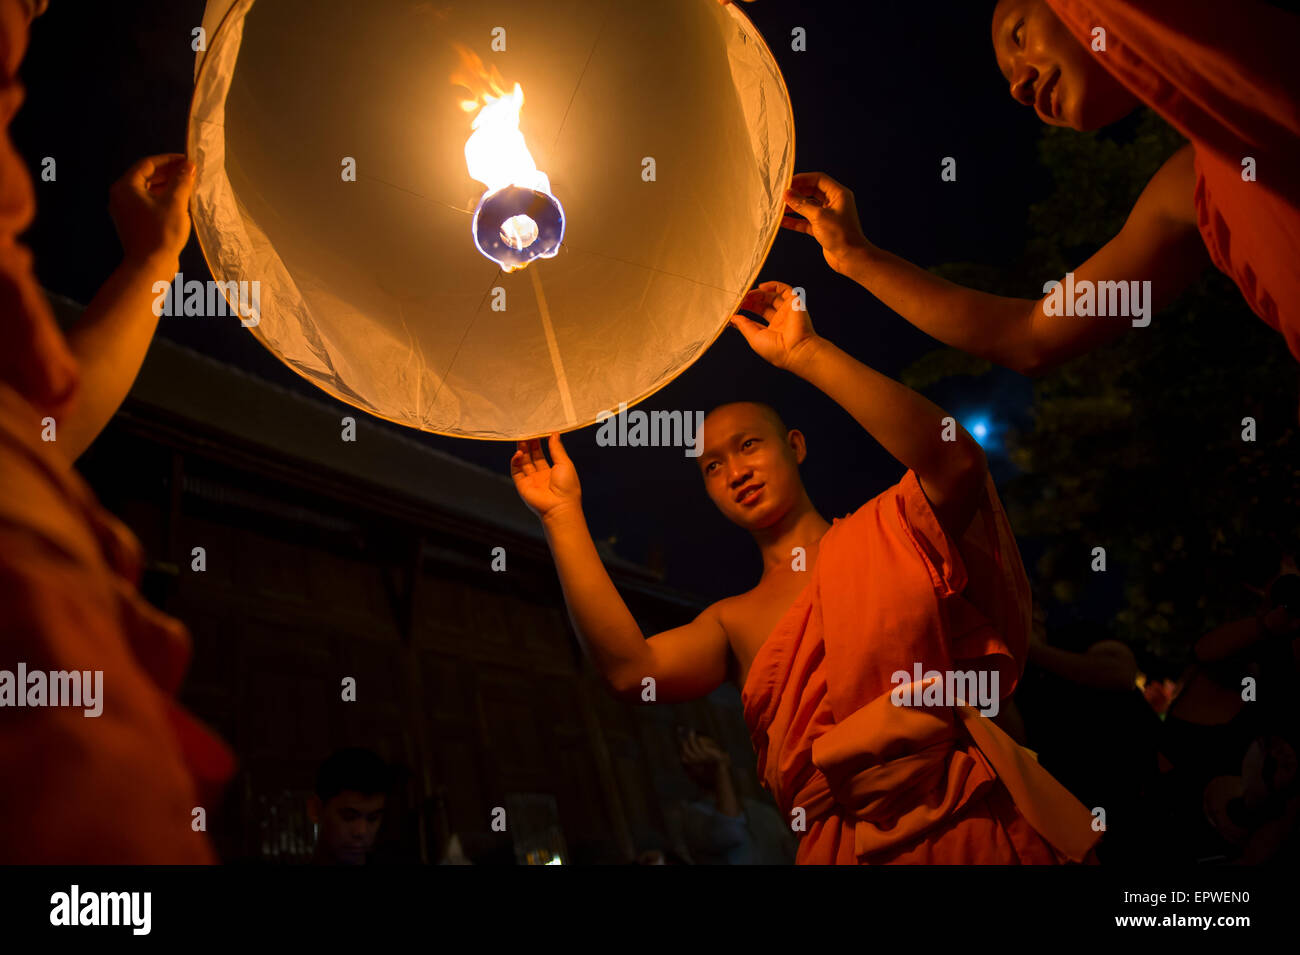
(334,150)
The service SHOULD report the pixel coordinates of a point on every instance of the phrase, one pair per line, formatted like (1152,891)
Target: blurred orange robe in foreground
(119,787)
(881,783)
(1226,76)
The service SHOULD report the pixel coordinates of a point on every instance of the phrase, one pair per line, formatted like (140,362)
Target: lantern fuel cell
(517,220)
(514,226)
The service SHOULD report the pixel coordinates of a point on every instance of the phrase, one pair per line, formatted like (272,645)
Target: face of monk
(348,824)
(1051,71)
(750,464)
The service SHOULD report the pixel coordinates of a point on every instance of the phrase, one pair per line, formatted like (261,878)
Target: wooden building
(372,559)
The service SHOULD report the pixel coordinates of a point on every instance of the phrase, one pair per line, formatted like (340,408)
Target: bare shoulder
(729,608)
(747,618)
(713,613)
(741,617)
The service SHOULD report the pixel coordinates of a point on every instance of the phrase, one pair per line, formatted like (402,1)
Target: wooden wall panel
(489,697)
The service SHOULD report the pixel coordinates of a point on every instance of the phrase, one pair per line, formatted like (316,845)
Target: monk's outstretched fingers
(815,186)
(768,300)
(143,170)
(763,310)
(746,326)
(777,293)
(536,455)
(558,453)
(520,462)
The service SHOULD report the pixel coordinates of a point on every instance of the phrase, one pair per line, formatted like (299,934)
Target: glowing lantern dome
(438,278)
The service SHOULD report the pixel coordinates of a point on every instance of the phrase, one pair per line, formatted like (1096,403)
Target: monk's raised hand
(788,336)
(548,489)
(150,206)
(696,750)
(829,214)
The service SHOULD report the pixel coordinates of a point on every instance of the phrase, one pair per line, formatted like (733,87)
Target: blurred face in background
(348,824)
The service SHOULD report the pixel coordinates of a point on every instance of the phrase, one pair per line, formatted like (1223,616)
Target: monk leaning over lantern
(1226,79)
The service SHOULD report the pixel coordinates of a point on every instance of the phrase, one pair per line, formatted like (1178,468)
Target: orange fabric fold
(884,783)
(1227,80)
(120,787)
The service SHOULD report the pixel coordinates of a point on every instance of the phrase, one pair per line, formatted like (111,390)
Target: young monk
(1223,75)
(119,786)
(926,575)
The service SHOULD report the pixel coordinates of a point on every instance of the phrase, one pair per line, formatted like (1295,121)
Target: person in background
(347,807)
(1091,726)
(722,828)
(1241,686)
(1256,813)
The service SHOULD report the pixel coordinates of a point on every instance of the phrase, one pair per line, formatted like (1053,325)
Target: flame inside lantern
(517,219)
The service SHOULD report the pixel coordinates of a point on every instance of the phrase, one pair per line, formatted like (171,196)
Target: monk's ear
(797,444)
(314,808)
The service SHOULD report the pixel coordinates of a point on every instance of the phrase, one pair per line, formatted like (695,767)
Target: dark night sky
(883,92)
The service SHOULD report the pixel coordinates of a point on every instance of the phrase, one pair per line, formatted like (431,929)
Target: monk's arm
(1232,638)
(150,209)
(1108,665)
(994,327)
(110,340)
(1159,243)
(907,425)
(725,797)
(685,663)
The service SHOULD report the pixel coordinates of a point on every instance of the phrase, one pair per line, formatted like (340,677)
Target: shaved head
(766,410)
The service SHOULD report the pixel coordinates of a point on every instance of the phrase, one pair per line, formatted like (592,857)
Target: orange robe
(880,783)
(1225,75)
(120,787)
